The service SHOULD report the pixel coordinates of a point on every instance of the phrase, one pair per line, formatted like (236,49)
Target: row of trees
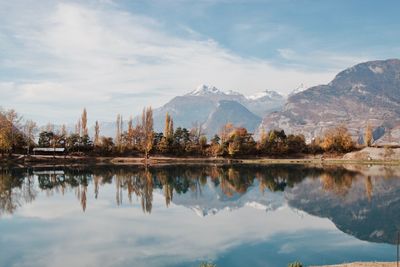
(141,139)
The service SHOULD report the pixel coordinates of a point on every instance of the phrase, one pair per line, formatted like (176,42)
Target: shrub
(295,264)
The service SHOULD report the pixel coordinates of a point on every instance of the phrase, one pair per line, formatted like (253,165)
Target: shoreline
(362,264)
(161,160)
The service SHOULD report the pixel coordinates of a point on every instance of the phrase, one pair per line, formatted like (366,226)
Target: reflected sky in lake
(182,216)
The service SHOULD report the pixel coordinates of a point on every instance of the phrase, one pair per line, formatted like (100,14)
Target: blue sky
(112,57)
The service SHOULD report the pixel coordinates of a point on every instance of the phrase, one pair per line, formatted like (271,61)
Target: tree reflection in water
(18,186)
(362,205)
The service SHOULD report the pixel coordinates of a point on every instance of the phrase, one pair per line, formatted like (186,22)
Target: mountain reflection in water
(367,207)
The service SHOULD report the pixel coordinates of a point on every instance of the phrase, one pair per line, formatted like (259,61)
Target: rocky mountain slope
(366,93)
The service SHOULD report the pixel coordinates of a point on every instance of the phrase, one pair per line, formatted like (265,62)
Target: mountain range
(211,108)
(367,93)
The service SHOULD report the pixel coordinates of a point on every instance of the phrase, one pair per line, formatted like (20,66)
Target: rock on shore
(374,153)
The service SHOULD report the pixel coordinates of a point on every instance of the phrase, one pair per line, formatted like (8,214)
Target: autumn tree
(225,131)
(169,126)
(5,134)
(106,145)
(263,139)
(240,142)
(84,123)
(296,143)
(14,120)
(129,135)
(118,134)
(368,138)
(147,128)
(11,136)
(167,140)
(337,140)
(203,142)
(273,143)
(96,139)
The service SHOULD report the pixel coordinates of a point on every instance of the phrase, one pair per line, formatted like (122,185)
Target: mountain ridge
(367,93)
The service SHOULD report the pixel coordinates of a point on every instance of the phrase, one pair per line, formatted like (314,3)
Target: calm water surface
(185,215)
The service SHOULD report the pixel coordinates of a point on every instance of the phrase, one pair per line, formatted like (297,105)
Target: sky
(57,57)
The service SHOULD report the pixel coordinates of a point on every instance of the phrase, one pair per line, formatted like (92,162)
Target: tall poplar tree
(368,138)
(84,123)
(96,139)
(148,133)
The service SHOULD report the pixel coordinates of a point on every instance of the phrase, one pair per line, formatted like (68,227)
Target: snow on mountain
(231,92)
(196,107)
(208,90)
(299,89)
(265,94)
(212,200)
(205,90)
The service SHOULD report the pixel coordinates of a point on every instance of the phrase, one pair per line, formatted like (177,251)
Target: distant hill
(233,112)
(366,93)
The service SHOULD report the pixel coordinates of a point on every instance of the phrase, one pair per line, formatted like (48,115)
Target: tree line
(140,139)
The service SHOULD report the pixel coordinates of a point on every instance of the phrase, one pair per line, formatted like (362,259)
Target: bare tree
(30,129)
(78,127)
(64,132)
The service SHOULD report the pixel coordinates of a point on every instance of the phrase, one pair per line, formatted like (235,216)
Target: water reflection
(363,205)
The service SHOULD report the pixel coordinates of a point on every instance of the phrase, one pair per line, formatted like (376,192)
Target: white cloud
(110,236)
(83,55)
(336,62)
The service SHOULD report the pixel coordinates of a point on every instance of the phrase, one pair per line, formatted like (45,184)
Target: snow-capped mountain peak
(206,90)
(267,93)
(231,92)
(299,89)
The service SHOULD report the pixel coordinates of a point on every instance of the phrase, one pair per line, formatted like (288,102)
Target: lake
(235,215)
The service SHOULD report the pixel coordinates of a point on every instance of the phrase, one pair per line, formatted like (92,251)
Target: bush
(295,264)
(208,264)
